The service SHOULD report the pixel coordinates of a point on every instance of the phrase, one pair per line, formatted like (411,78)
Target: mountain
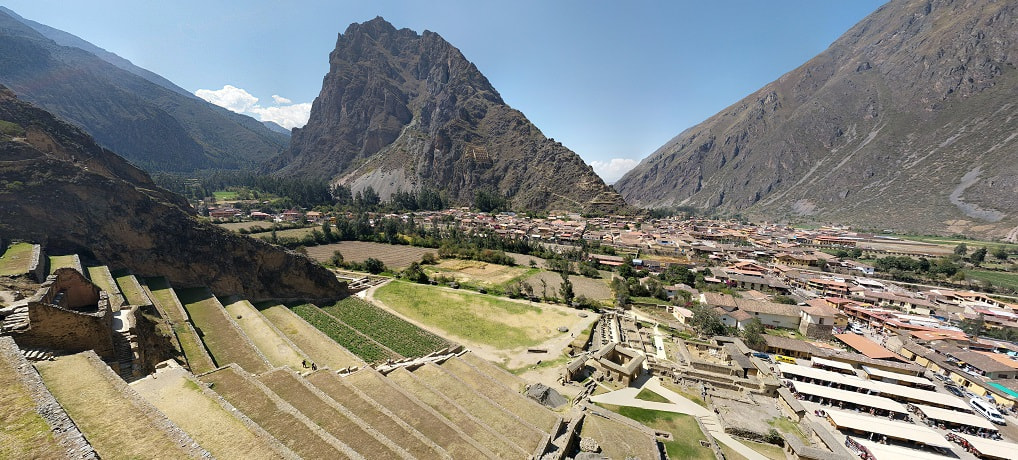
(403,111)
(152,122)
(61,189)
(276,128)
(907,122)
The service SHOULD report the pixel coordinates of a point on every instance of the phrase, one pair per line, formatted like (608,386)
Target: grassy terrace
(212,426)
(100,275)
(58,262)
(23,432)
(246,396)
(293,391)
(359,344)
(686,434)
(336,388)
(385,328)
(224,341)
(132,290)
(470,316)
(621,441)
(16,259)
(114,426)
(319,347)
(276,349)
(383,392)
(191,345)
(495,372)
(515,403)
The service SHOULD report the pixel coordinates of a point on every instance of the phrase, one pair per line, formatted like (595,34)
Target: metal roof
(890,428)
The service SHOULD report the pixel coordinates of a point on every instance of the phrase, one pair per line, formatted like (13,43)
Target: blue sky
(611,80)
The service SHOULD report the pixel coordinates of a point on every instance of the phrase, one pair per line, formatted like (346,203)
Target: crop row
(390,330)
(344,335)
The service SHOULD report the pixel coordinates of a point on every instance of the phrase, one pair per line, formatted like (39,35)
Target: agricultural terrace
(16,259)
(58,262)
(359,344)
(24,433)
(474,318)
(686,433)
(276,349)
(131,288)
(480,273)
(100,275)
(394,256)
(322,350)
(223,339)
(386,328)
(166,301)
(186,405)
(1006,280)
(594,289)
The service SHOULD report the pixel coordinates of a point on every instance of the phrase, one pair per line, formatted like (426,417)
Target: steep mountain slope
(59,188)
(127,109)
(908,121)
(402,111)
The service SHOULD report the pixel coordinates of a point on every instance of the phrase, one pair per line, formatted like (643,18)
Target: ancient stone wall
(38,268)
(56,328)
(69,289)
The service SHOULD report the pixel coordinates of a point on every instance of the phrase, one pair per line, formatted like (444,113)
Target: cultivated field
(223,339)
(23,432)
(1006,280)
(276,349)
(394,256)
(386,328)
(359,344)
(594,289)
(332,420)
(319,347)
(201,416)
(477,272)
(238,226)
(472,317)
(16,259)
(114,426)
(523,260)
(274,418)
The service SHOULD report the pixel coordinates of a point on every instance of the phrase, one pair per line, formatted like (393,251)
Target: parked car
(955,390)
(763,356)
(785,359)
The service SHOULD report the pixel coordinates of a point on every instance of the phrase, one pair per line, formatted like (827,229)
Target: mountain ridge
(903,123)
(402,111)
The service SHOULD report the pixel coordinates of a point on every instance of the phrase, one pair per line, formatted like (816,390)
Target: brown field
(237,226)
(276,349)
(618,440)
(910,247)
(320,348)
(523,260)
(479,272)
(114,426)
(201,416)
(394,256)
(595,289)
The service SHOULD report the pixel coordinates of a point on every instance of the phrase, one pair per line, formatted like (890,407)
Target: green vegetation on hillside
(1004,280)
(363,347)
(388,329)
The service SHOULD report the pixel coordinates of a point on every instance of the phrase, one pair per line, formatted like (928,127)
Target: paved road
(679,404)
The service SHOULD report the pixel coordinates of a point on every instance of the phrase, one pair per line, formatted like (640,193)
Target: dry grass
(278,351)
(321,349)
(58,262)
(23,432)
(16,259)
(595,289)
(212,426)
(224,341)
(513,402)
(198,359)
(394,256)
(483,273)
(495,372)
(115,427)
(618,440)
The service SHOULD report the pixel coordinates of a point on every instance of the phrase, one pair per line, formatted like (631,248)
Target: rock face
(60,189)
(906,122)
(402,111)
(153,123)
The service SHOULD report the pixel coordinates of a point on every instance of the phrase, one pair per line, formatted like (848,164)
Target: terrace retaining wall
(38,265)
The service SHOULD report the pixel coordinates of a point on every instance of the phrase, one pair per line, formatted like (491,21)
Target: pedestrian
(314,367)
(304,363)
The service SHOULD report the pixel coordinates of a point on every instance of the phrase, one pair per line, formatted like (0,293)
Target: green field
(1006,280)
(484,319)
(58,262)
(686,434)
(386,328)
(358,344)
(225,195)
(648,395)
(16,259)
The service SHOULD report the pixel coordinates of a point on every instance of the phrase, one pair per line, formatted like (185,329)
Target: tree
(1000,253)
(961,249)
(428,258)
(706,322)
(753,334)
(566,291)
(336,259)
(415,273)
(978,256)
(621,290)
(374,266)
(974,327)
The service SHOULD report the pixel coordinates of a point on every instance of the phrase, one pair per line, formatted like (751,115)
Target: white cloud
(284,113)
(230,97)
(613,170)
(287,116)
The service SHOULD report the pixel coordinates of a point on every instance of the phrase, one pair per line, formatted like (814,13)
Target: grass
(1004,280)
(648,395)
(191,345)
(224,342)
(770,451)
(386,328)
(277,350)
(58,262)
(785,425)
(132,291)
(686,434)
(114,426)
(225,195)
(16,259)
(730,454)
(483,319)
(320,348)
(685,393)
(359,344)
(23,432)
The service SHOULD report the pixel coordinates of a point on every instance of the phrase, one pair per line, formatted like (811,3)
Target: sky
(611,80)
